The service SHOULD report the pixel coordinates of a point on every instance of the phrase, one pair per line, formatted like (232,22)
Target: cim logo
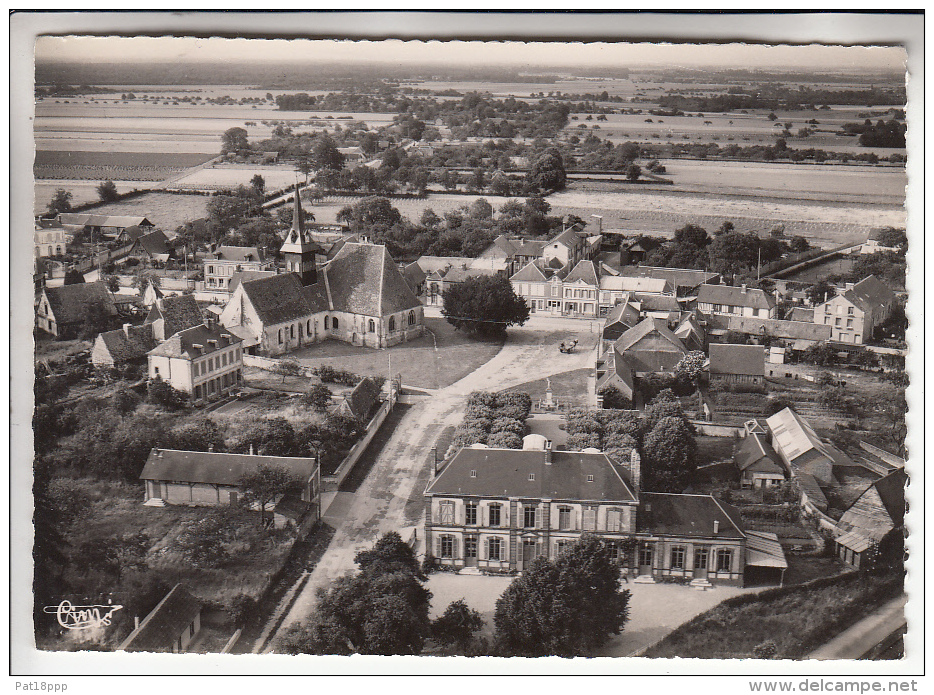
(73,617)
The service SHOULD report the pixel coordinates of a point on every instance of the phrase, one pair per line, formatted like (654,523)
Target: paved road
(858,640)
(401,471)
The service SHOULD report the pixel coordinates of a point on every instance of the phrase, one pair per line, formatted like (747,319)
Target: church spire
(298,218)
(299,249)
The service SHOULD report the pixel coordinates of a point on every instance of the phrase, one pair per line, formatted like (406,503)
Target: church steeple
(298,249)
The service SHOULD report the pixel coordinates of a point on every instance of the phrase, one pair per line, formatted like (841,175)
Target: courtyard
(654,609)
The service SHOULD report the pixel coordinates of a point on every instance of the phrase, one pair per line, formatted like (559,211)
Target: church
(359,297)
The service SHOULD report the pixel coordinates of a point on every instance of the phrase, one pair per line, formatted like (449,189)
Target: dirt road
(401,471)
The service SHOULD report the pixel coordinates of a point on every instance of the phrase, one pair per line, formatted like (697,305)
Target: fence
(330,483)
(102,258)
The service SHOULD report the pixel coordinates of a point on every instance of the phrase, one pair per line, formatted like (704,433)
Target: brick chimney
(547,452)
(716,527)
(635,469)
(126,329)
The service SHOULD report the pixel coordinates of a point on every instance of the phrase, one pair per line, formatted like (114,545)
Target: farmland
(166,210)
(81,191)
(227,176)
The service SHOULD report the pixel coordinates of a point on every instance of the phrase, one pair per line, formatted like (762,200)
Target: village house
(580,288)
(497,510)
(682,281)
(540,286)
(757,463)
(874,243)
(209,478)
(854,314)
(205,362)
(798,335)
(63,310)
(873,519)
(738,301)
(362,401)
(172,626)
(50,240)
(153,247)
(619,319)
(737,364)
(224,261)
(635,251)
(441,272)
(615,288)
(157,283)
(648,348)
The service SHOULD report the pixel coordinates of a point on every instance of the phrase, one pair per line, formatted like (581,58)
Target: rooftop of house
(584,271)
(235,254)
(687,515)
(69,303)
(657,302)
(129,343)
(891,492)
(160,630)
(623,283)
(155,243)
(810,487)
(195,342)
(648,325)
(754,450)
(87,220)
(217,468)
(500,473)
(569,237)
(793,436)
(624,314)
(363,399)
(678,277)
(177,313)
(787,330)
(741,360)
(800,313)
(726,295)
(870,292)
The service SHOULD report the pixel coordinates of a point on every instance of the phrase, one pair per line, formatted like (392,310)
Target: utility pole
(759,264)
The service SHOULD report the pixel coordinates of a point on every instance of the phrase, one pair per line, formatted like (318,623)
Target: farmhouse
(205,362)
(126,345)
(152,247)
(737,364)
(757,462)
(498,510)
(208,478)
(648,348)
(169,315)
(737,301)
(620,319)
(109,226)
(170,627)
(63,310)
(798,334)
(855,313)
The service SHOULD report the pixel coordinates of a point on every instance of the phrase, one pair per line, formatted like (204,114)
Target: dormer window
(473,474)
(589,478)
(531,476)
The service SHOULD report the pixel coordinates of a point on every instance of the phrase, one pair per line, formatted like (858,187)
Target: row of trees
(494,419)
(567,607)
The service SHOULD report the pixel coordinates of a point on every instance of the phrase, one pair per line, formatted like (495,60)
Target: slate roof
(503,243)
(363,399)
(657,302)
(568,237)
(754,450)
(155,243)
(160,630)
(216,468)
(644,243)
(505,473)
(178,313)
(363,279)
(800,313)
(744,360)
(182,344)
(870,292)
(130,344)
(585,271)
(735,296)
(236,253)
(677,277)
(248,276)
(529,273)
(414,275)
(809,486)
(788,330)
(620,319)
(891,490)
(133,233)
(279,298)
(670,514)
(622,283)
(531,248)
(649,360)
(69,302)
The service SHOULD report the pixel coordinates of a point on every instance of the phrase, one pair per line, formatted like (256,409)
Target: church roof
(363,279)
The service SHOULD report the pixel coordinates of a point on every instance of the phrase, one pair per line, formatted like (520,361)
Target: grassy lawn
(711,449)
(567,387)
(797,619)
(804,568)
(418,361)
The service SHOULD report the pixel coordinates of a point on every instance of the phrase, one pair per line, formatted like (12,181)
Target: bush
(583,440)
(318,397)
(160,393)
(242,610)
(513,404)
(329,375)
(614,398)
(504,440)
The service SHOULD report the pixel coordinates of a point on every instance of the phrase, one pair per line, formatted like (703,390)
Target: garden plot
(165,210)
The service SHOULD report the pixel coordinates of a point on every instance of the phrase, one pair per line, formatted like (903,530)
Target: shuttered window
(496,514)
(564,518)
(590,519)
(613,522)
(446,513)
(471,513)
(494,548)
(530,515)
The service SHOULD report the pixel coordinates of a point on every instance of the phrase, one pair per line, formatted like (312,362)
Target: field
(228,176)
(166,210)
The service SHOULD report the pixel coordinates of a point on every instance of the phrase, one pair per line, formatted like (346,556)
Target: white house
(854,314)
(204,362)
(735,301)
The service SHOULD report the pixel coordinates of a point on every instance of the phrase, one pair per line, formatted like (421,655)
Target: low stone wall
(330,483)
(711,430)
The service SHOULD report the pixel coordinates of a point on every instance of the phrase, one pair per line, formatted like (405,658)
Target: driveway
(401,471)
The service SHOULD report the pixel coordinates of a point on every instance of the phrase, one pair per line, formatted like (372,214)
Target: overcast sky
(170,49)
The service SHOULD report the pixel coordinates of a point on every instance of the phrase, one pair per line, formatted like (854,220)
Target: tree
(659,409)
(107,191)
(820,292)
(669,453)
(566,607)
(271,437)
(382,609)
(501,185)
(286,368)
(614,398)
(370,213)
(73,277)
(390,554)
(692,365)
(485,305)
(264,485)
(318,397)
(633,172)
(125,401)
(480,209)
(455,627)
(112,282)
(820,354)
(325,155)
(798,244)
(96,320)
(692,235)
(61,202)
(234,140)
(258,183)
(227,209)
(160,393)
(547,172)
(201,434)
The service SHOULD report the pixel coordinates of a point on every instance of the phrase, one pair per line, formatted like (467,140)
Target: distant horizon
(541,55)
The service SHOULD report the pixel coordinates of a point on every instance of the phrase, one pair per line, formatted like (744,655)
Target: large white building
(205,362)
